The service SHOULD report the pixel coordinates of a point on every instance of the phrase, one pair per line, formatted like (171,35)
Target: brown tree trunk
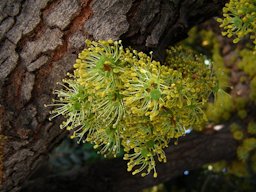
(39,42)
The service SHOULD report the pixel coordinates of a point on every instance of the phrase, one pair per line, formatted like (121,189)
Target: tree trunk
(39,42)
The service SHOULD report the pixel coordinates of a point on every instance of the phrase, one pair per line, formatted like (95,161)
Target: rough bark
(39,41)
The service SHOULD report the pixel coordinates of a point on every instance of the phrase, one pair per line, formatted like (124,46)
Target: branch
(192,152)
(39,42)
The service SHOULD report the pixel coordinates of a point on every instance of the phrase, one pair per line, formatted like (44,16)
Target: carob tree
(39,42)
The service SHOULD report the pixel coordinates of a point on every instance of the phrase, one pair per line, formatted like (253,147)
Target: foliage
(237,75)
(244,132)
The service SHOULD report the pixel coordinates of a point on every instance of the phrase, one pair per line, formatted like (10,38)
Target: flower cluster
(121,98)
(239,106)
(239,19)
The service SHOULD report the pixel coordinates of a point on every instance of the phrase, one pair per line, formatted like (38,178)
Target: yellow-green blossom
(239,19)
(121,98)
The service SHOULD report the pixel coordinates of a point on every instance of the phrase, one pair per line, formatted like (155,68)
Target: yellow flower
(121,98)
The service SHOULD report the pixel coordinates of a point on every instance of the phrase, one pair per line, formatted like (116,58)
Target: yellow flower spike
(121,97)
(239,19)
